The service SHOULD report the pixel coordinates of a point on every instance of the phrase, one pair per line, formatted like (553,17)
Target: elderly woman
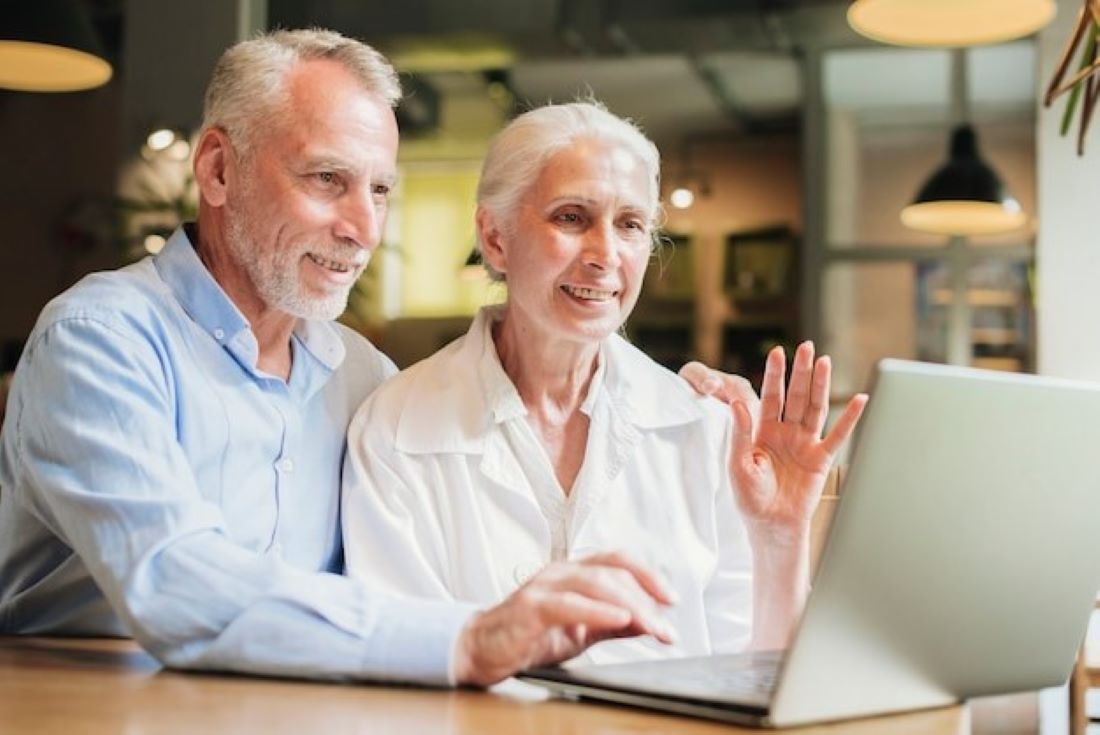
(542,435)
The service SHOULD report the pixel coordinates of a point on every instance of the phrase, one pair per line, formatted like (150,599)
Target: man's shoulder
(122,299)
(363,368)
(419,387)
(362,355)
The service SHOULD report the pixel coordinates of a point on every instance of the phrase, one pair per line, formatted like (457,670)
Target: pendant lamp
(473,269)
(964,196)
(948,22)
(49,46)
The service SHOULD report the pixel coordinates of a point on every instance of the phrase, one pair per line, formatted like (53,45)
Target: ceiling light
(964,196)
(154,243)
(948,22)
(49,46)
(160,139)
(681,197)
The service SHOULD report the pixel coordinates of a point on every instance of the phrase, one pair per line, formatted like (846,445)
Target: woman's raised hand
(779,470)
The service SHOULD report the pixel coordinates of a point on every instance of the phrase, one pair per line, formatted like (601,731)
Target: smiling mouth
(589,294)
(332,265)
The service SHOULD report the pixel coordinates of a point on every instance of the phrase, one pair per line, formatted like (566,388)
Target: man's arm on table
(96,458)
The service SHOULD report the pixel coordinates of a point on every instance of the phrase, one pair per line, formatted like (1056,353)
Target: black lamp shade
(473,269)
(964,196)
(965,176)
(49,46)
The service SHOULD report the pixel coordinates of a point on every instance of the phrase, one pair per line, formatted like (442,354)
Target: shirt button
(219,334)
(286,464)
(523,572)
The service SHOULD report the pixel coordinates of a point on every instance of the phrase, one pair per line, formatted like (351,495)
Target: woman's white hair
(518,153)
(248,85)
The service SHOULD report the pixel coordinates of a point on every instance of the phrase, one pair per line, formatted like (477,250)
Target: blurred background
(790,143)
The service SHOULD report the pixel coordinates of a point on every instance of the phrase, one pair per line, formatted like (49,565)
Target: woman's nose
(601,247)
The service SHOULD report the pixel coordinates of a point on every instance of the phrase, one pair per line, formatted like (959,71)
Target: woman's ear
(493,251)
(213,154)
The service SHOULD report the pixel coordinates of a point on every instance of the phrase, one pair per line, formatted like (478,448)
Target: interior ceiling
(682,68)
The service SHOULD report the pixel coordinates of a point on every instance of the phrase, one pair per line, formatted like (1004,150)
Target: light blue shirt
(155,483)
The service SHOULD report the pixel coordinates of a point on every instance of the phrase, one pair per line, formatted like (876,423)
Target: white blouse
(449,494)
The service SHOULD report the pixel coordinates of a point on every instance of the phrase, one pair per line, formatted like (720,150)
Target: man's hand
(563,610)
(723,386)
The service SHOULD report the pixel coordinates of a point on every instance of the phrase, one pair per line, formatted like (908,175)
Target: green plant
(1083,86)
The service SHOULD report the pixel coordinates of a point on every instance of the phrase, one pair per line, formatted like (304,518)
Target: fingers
(604,588)
(573,610)
(654,584)
(798,392)
(701,378)
(818,410)
(845,425)
(723,386)
(741,439)
(771,392)
(563,609)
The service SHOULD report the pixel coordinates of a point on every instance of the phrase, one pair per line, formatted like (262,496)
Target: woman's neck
(551,376)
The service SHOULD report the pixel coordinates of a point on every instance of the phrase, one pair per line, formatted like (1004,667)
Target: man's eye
(382,190)
(568,218)
(326,177)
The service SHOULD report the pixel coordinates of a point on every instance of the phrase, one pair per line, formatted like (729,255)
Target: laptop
(963,561)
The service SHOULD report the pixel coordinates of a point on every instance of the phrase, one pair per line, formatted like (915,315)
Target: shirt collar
(196,290)
(501,396)
(184,273)
(641,393)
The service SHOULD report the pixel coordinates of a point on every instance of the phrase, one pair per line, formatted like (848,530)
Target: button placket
(284,467)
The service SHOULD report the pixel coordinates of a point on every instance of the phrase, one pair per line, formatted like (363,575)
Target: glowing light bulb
(681,198)
(159,140)
(154,244)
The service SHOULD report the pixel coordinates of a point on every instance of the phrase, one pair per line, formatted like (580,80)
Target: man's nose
(360,219)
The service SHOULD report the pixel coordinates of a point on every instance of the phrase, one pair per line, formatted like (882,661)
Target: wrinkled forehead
(596,168)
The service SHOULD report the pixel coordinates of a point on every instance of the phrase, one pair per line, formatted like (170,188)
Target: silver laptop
(963,560)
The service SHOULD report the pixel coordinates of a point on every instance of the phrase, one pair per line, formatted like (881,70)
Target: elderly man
(174,438)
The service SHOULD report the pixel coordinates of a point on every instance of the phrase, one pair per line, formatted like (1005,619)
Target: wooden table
(75,686)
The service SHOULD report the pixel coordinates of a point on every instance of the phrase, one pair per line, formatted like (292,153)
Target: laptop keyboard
(753,684)
(746,679)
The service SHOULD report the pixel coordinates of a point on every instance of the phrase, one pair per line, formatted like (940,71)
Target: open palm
(779,470)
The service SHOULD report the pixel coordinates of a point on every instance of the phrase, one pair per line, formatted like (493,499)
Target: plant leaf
(1086,58)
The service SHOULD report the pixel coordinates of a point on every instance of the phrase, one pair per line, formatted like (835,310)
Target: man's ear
(493,251)
(213,160)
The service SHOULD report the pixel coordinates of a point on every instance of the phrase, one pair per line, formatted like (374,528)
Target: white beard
(275,275)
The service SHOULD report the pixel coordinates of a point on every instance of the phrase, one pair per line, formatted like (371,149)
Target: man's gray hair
(519,152)
(249,80)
